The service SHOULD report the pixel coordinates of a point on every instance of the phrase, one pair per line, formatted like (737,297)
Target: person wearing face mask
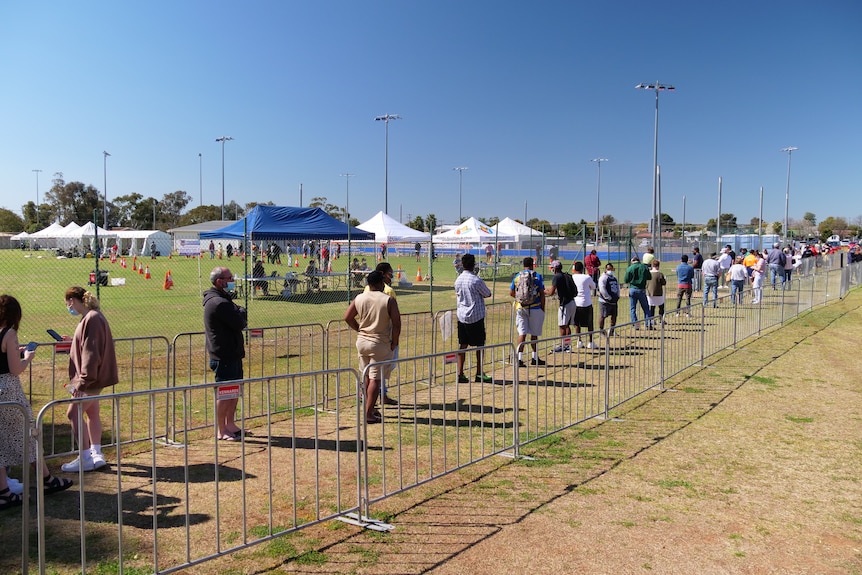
(609,295)
(92,367)
(224,322)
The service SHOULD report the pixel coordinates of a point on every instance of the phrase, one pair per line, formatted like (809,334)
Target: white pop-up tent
(472,231)
(388,230)
(140,242)
(47,237)
(520,232)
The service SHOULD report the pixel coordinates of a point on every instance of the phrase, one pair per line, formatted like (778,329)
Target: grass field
(143,308)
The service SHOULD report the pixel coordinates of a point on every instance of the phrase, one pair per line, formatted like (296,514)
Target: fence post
(607,369)
(702,334)
(516,384)
(661,352)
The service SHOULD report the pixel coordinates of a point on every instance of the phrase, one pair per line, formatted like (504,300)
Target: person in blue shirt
(684,282)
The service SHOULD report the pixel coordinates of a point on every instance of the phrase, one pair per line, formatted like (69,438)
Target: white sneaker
(592,345)
(75,465)
(15,486)
(98,460)
(580,344)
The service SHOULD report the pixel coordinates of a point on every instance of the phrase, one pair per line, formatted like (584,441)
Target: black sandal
(55,484)
(9,500)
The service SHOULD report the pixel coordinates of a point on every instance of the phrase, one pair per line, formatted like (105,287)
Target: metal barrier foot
(365,522)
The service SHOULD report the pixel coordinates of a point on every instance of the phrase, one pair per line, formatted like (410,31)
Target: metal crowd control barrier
(143,364)
(297,469)
(26,429)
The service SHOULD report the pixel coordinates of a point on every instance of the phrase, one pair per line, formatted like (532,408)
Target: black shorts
(607,309)
(472,333)
(584,317)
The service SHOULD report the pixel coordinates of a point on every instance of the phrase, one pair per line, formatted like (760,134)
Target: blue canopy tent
(288,223)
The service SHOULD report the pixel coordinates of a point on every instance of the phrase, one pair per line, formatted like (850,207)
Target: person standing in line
(92,367)
(470,293)
(564,287)
(212,250)
(757,275)
(594,266)
(711,270)
(725,260)
(649,256)
(529,316)
(775,260)
(385,268)
(684,279)
(14,359)
(697,264)
(609,296)
(655,293)
(788,269)
(224,322)
(376,318)
(738,277)
(637,275)
(584,304)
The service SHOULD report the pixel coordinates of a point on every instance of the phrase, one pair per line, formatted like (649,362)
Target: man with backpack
(564,286)
(609,295)
(529,292)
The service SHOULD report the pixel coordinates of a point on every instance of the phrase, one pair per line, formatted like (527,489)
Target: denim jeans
(710,283)
(697,280)
(736,289)
(638,296)
(776,272)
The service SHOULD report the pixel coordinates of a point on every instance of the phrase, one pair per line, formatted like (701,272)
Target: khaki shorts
(371,352)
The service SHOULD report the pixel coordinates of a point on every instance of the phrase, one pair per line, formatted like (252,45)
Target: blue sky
(522,93)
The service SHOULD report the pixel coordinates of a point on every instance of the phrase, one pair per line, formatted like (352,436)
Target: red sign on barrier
(227,392)
(450,358)
(255,332)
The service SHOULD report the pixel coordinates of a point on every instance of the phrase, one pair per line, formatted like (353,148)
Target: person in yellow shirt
(748,261)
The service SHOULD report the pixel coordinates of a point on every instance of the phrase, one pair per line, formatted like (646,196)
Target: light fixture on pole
(385,118)
(460,176)
(105,176)
(223,139)
(598,162)
(789,150)
(37,196)
(655,220)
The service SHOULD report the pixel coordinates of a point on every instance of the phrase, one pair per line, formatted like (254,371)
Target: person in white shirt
(584,303)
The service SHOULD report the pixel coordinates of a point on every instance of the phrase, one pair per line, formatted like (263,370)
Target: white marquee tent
(520,232)
(140,242)
(388,230)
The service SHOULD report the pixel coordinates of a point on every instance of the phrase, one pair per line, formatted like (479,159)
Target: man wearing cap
(776,259)
(637,276)
(725,260)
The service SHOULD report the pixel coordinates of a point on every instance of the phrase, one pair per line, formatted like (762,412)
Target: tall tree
(10,221)
(73,201)
(171,207)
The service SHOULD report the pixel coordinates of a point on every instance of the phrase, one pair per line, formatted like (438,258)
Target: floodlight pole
(37,197)
(656,199)
(385,118)
(201,178)
(460,176)
(598,162)
(223,139)
(105,181)
(789,150)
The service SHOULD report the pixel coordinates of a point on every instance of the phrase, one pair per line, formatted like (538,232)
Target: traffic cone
(398,274)
(123,263)
(418,274)
(140,270)
(169,281)
(134,265)
(147,273)
(296,262)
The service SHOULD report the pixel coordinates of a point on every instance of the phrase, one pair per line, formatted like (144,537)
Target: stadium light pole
(385,118)
(223,139)
(460,177)
(105,182)
(656,199)
(789,150)
(201,178)
(37,197)
(598,162)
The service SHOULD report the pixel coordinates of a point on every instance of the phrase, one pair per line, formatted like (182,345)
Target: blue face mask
(231,286)
(72,310)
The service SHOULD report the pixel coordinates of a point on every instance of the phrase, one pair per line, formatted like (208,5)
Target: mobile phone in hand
(31,346)
(55,335)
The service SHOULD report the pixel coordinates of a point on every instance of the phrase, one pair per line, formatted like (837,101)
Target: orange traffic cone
(169,281)
(140,270)
(123,263)
(398,273)
(147,273)
(296,262)
(134,265)
(418,274)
